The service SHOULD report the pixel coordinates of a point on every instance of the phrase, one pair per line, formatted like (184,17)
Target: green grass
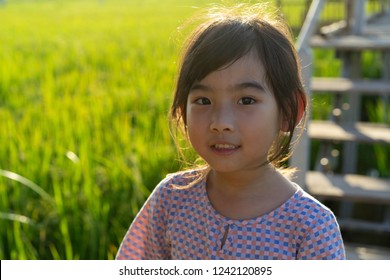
(84,94)
(85,88)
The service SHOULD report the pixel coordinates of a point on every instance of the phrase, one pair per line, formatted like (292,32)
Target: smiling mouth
(224,149)
(225,146)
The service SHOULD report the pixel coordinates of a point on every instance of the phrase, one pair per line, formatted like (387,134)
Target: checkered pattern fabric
(178,222)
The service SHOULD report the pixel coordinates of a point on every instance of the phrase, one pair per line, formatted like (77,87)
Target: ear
(302,103)
(301,99)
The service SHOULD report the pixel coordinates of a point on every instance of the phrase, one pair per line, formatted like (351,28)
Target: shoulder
(174,190)
(309,210)
(181,183)
(185,178)
(312,216)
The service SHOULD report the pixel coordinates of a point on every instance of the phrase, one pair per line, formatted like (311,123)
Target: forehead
(248,62)
(248,67)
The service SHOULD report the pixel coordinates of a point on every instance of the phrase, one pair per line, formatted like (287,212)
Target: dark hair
(229,35)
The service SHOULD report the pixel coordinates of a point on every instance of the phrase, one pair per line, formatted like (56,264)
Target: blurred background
(85,89)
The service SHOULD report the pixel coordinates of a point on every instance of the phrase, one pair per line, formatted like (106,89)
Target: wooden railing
(296,11)
(306,56)
(354,21)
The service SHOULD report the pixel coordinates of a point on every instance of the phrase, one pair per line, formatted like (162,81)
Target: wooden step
(351,187)
(354,224)
(359,132)
(352,42)
(343,85)
(366,252)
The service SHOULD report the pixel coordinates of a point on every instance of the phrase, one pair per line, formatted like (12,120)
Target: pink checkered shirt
(178,222)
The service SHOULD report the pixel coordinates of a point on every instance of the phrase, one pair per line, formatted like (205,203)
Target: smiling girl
(239,97)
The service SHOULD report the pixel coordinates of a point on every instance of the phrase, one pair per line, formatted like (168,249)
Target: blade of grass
(26,182)
(17,218)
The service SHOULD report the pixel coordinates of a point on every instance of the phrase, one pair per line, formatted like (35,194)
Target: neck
(242,182)
(248,194)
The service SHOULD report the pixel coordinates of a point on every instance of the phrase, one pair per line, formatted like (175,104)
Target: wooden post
(386,77)
(300,157)
(310,24)
(351,69)
(355,16)
(384,10)
(305,11)
(301,153)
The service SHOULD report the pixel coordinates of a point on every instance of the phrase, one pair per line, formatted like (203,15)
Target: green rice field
(85,89)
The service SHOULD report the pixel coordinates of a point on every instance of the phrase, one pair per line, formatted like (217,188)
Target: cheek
(194,123)
(195,136)
(267,125)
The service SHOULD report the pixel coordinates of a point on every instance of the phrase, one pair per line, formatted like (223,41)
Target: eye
(246,101)
(202,101)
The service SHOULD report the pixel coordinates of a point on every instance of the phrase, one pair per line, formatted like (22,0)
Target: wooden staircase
(350,37)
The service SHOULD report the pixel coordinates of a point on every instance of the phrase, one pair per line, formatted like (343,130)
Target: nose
(222,119)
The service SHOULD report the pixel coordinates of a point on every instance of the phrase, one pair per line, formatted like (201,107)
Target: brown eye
(203,101)
(246,101)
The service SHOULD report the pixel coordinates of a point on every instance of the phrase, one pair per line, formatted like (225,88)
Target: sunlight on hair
(265,10)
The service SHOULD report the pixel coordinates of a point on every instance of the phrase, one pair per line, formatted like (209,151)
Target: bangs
(219,46)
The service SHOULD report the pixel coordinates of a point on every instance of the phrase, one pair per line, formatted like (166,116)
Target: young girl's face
(232,116)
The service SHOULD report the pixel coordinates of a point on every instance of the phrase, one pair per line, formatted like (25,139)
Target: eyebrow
(201,87)
(251,84)
(239,86)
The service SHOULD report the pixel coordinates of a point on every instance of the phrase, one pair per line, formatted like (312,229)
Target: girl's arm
(146,237)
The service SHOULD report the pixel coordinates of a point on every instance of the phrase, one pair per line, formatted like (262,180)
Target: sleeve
(146,237)
(323,240)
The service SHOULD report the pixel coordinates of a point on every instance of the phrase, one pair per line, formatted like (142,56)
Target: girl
(239,97)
